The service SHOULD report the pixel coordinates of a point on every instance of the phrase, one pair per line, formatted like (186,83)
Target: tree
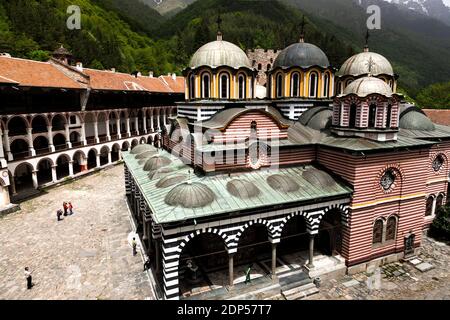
(436,96)
(440,227)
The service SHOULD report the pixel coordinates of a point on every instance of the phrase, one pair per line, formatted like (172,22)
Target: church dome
(359,65)
(301,54)
(282,183)
(317,177)
(156,162)
(190,195)
(171,180)
(242,189)
(146,154)
(220,53)
(317,118)
(413,119)
(368,85)
(141,148)
(160,173)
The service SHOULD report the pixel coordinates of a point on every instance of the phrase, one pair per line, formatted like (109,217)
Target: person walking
(59,214)
(70,207)
(28,277)
(248,273)
(134,245)
(65,208)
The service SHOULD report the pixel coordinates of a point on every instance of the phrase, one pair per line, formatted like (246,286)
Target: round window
(438,162)
(388,179)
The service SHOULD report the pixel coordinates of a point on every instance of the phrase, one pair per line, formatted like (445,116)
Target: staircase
(296,285)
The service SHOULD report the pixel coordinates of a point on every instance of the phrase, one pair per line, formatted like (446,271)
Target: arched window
(429,207)
(295,84)
(326,85)
(339,88)
(279,87)
(352,117)
(224,86)
(391,228)
(206,85)
(439,202)
(192,87)
(372,115)
(313,85)
(389,116)
(378,232)
(259,66)
(242,86)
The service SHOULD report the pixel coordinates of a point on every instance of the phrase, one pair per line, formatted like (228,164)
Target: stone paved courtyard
(396,281)
(85,256)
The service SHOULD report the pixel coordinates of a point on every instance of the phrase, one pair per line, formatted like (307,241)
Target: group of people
(67,210)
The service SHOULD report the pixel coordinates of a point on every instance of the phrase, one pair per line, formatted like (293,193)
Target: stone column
(83,134)
(157,260)
(231,270)
(2,154)
(144,121)
(13,186)
(274,260)
(151,123)
(30,142)
(97,140)
(35,179)
(119,132)
(108,133)
(145,237)
(311,252)
(164,117)
(7,147)
(54,175)
(128,127)
(68,143)
(71,168)
(50,139)
(159,120)
(109,157)
(98,159)
(136,124)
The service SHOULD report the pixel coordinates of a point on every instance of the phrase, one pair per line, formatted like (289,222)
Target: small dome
(242,189)
(301,54)
(140,148)
(317,118)
(282,183)
(416,120)
(61,51)
(359,65)
(260,92)
(190,195)
(220,53)
(146,154)
(156,162)
(317,177)
(171,180)
(159,173)
(368,85)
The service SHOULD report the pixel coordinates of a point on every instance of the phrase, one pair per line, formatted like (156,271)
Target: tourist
(28,277)
(59,214)
(134,245)
(147,264)
(248,273)
(70,207)
(65,208)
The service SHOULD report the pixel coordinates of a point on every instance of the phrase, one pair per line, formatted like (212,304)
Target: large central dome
(301,54)
(220,53)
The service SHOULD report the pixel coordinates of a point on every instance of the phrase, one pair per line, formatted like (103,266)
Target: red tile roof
(54,74)
(30,73)
(439,116)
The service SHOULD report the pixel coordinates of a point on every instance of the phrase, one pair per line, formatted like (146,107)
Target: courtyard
(85,256)
(88,256)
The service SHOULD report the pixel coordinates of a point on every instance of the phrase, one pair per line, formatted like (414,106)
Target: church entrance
(329,240)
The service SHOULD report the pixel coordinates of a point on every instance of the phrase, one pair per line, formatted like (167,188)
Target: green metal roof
(223,201)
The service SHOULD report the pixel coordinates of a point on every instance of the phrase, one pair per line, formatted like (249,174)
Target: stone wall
(262,60)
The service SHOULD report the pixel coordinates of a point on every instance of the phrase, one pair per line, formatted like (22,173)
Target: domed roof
(282,183)
(301,54)
(317,118)
(359,65)
(156,162)
(190,195)
(140,148)
(220,53)
(171,180)
(362,87)
(242,189)
(413,119)
(317,177)
(160,173)
(146,154)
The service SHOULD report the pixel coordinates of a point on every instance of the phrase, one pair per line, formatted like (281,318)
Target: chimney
(138,74)
(113,69)
(150,74)
(79,66)
(174,76)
